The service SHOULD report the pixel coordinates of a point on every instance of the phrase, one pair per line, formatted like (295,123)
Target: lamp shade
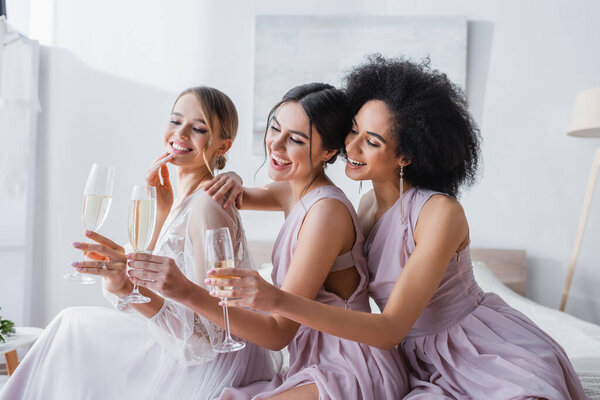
(585,119)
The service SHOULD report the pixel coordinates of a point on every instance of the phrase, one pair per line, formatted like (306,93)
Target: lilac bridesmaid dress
(467,344)
(341,369)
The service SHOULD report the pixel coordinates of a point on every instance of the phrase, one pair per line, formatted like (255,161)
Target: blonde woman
(161,349)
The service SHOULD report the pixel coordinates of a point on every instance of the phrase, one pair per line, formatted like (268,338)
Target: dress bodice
(389,246)
(286,242)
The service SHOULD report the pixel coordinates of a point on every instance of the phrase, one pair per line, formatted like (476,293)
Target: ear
(224,147)
(404,161)
(330,153)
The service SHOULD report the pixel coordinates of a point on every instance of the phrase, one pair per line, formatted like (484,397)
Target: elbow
(390,340)
(276,347)
(279,345)
(387,345)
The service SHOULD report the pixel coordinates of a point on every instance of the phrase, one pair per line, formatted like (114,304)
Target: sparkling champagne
(217,265)
(142,218)
(95,210)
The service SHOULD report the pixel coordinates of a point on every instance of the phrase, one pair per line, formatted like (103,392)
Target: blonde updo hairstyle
(221,118)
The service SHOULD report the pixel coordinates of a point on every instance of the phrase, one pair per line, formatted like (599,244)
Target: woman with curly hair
(413,137)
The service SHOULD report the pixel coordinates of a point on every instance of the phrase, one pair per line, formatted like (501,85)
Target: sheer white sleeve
(186,335)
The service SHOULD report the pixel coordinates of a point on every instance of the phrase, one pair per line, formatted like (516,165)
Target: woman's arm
(441,231)
(271,197)
(158,176)
(270,331)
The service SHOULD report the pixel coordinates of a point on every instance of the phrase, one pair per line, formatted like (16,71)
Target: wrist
(278,301)
(186,293)
(125,289)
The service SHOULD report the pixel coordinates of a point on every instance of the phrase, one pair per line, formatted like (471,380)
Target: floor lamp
(585,122)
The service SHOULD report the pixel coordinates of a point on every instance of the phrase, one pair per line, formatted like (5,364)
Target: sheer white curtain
(19,107)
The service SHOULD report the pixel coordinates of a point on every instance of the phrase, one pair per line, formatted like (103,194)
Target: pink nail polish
(212,292)
(76,244)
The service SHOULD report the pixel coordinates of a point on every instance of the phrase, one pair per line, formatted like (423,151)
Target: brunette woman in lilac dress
(306,130)
(413,137)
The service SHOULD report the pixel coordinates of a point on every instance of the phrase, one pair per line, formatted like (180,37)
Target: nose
(182,131)
(351,144)
(276,142)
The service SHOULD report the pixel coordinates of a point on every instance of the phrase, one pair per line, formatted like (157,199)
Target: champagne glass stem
(85,257)
(226,313)
(135,290)
(77,276)
(228,338)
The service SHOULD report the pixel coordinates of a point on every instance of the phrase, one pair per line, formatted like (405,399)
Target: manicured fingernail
(74,263)
(212,292)
(129,255)
(221,303)
(78,268)
(212,271)
(207,280)
(76,244)
(88,233)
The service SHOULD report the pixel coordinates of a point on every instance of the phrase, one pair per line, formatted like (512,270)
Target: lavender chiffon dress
(341,369)
(467,344)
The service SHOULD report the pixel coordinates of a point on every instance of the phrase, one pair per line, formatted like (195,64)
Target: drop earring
(402,192)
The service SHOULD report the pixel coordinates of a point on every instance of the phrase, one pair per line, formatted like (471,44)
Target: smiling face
(371,146)
(288,145)
(187,135)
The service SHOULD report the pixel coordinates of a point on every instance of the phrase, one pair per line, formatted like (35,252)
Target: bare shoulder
(442,213)
(442,206)
(366,202)
(328,219)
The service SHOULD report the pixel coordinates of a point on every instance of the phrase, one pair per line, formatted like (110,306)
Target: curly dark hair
(432,125)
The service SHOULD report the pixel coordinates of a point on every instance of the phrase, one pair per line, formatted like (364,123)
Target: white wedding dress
(101,353)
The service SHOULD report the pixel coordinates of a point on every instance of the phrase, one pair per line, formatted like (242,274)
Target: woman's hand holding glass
(158,273)
(107,259)
(228,185)
(245,288)
(97,197)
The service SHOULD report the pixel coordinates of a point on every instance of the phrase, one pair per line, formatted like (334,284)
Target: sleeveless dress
(341,369)
(100,353)
(467,344)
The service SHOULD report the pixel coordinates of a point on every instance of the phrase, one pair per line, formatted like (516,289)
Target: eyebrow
(378,136)
(304,135)
(181,115)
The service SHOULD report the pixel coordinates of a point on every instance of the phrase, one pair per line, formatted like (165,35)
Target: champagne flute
(219,254)
(142,220)
(97,197)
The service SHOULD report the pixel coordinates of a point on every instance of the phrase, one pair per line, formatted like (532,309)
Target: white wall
(112,69)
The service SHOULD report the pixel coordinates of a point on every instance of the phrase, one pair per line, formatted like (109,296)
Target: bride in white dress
(161,349)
